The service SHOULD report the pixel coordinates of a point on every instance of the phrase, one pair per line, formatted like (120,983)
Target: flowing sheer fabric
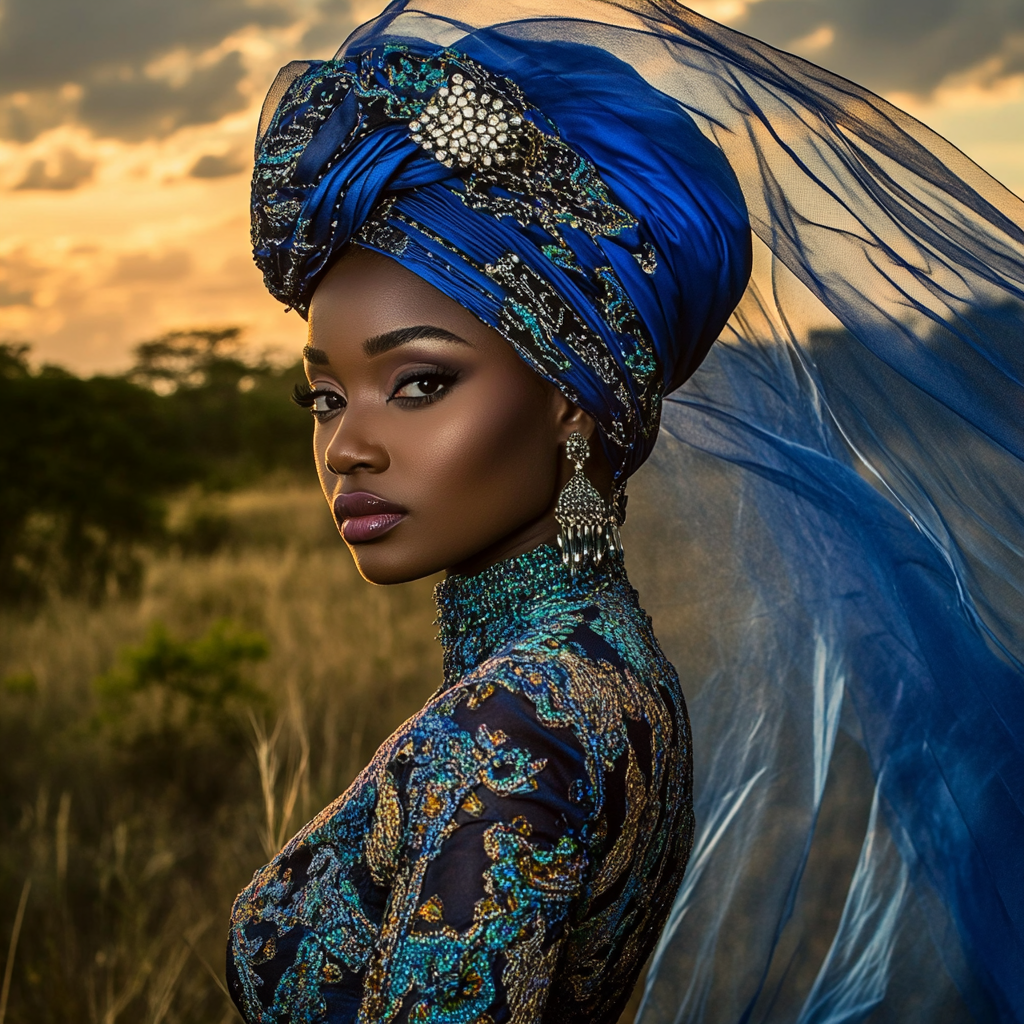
(831,531)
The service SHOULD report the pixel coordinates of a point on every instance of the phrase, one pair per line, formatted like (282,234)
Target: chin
(386,564)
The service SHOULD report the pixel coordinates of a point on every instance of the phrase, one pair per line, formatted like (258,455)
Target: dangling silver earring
(589,530)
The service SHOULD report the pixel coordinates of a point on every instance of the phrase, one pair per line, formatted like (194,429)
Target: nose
(354,446)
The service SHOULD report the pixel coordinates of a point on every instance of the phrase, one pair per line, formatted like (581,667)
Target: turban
(546,188)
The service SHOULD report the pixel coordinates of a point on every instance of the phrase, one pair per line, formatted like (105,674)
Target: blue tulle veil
(829,535)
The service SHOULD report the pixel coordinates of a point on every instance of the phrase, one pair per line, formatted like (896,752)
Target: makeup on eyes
(324,402)
(442,377)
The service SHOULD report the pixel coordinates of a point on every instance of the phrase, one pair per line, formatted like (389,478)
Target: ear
(571,418)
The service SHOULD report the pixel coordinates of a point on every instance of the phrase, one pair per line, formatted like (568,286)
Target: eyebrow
(381,343)
(316,356)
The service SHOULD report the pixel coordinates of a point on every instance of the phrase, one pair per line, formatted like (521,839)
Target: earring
(588,529)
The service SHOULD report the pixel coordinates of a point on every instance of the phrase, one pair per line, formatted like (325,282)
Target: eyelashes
(432,385)
(323,403)
(422,386)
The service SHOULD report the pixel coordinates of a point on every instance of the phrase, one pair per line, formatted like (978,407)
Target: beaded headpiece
(437,162)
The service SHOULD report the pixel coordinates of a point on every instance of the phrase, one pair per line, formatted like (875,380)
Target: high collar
(476,614)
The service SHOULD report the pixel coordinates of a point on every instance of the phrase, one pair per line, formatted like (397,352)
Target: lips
(364,517)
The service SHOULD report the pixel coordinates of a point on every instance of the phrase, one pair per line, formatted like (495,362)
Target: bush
(87,464)
(136,791)
(178,713)
(231,412)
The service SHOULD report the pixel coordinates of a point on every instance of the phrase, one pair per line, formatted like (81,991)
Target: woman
(512,237)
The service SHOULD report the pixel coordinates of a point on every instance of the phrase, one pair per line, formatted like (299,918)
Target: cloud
(95,60)
(134,106)
(68,171)
(331,25)
(46,43)
(895,45)
(144,267)
(11,297)
(212,165)
(23,116)
(19,279)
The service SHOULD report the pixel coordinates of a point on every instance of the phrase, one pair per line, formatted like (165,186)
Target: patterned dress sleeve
(480,832)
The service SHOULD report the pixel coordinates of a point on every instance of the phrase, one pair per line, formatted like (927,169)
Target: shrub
(86,465)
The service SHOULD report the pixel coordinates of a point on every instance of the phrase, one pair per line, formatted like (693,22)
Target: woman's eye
(326,404)
(425,387)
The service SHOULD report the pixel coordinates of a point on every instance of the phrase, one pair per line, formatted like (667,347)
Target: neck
(540,531)
(478,613)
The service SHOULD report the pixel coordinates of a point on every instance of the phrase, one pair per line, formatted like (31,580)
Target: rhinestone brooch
(460,126)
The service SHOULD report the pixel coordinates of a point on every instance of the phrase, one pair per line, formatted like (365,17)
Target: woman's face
(437,447)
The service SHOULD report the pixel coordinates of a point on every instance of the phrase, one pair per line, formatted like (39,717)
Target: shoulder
(555,701)
(569,676)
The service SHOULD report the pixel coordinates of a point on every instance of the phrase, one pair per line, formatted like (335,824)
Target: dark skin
(446,423)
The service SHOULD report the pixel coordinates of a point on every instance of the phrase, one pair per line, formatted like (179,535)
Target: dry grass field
(157,750)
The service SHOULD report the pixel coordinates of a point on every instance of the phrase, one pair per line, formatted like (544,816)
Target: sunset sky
(126,137)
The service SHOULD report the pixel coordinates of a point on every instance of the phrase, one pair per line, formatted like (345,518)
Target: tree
(231,410)
(86,464)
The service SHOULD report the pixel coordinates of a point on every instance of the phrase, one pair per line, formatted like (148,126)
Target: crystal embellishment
(461,126)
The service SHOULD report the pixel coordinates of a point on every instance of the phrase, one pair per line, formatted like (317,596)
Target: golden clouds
(132,220)
(141,247)
(64,170)
(124,161)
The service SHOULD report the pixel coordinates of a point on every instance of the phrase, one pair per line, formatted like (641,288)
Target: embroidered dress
(511,853)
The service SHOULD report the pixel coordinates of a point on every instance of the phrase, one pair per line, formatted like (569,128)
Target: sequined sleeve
(478,911)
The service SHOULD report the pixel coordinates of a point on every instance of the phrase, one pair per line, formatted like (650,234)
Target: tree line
(87,464)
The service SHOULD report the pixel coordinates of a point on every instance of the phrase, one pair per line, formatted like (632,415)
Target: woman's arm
(490,858)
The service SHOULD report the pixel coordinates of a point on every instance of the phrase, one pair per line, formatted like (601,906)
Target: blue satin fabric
(830,532)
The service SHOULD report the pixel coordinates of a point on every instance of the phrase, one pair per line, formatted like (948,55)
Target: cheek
(490,451)
(321,438)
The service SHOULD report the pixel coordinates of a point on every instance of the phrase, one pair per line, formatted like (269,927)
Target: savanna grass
(157,750)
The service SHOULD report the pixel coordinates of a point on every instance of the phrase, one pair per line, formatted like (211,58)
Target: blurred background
(189,665)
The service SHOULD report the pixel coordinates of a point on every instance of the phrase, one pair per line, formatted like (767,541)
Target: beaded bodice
(512,851)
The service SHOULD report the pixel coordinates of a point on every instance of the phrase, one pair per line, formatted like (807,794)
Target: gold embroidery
(432,911)
(473,805)
(385,836)
(569,905)
(528,974)
(622,852)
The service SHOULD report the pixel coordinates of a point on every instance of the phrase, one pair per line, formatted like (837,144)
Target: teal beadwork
(512,851)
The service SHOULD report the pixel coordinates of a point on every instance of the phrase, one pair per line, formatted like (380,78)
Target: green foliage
(146,784)
(177,713)
(20,682)
(231,411)
(86,465)
(207,673)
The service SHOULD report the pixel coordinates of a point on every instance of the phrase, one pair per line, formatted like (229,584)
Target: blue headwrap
(609,260)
